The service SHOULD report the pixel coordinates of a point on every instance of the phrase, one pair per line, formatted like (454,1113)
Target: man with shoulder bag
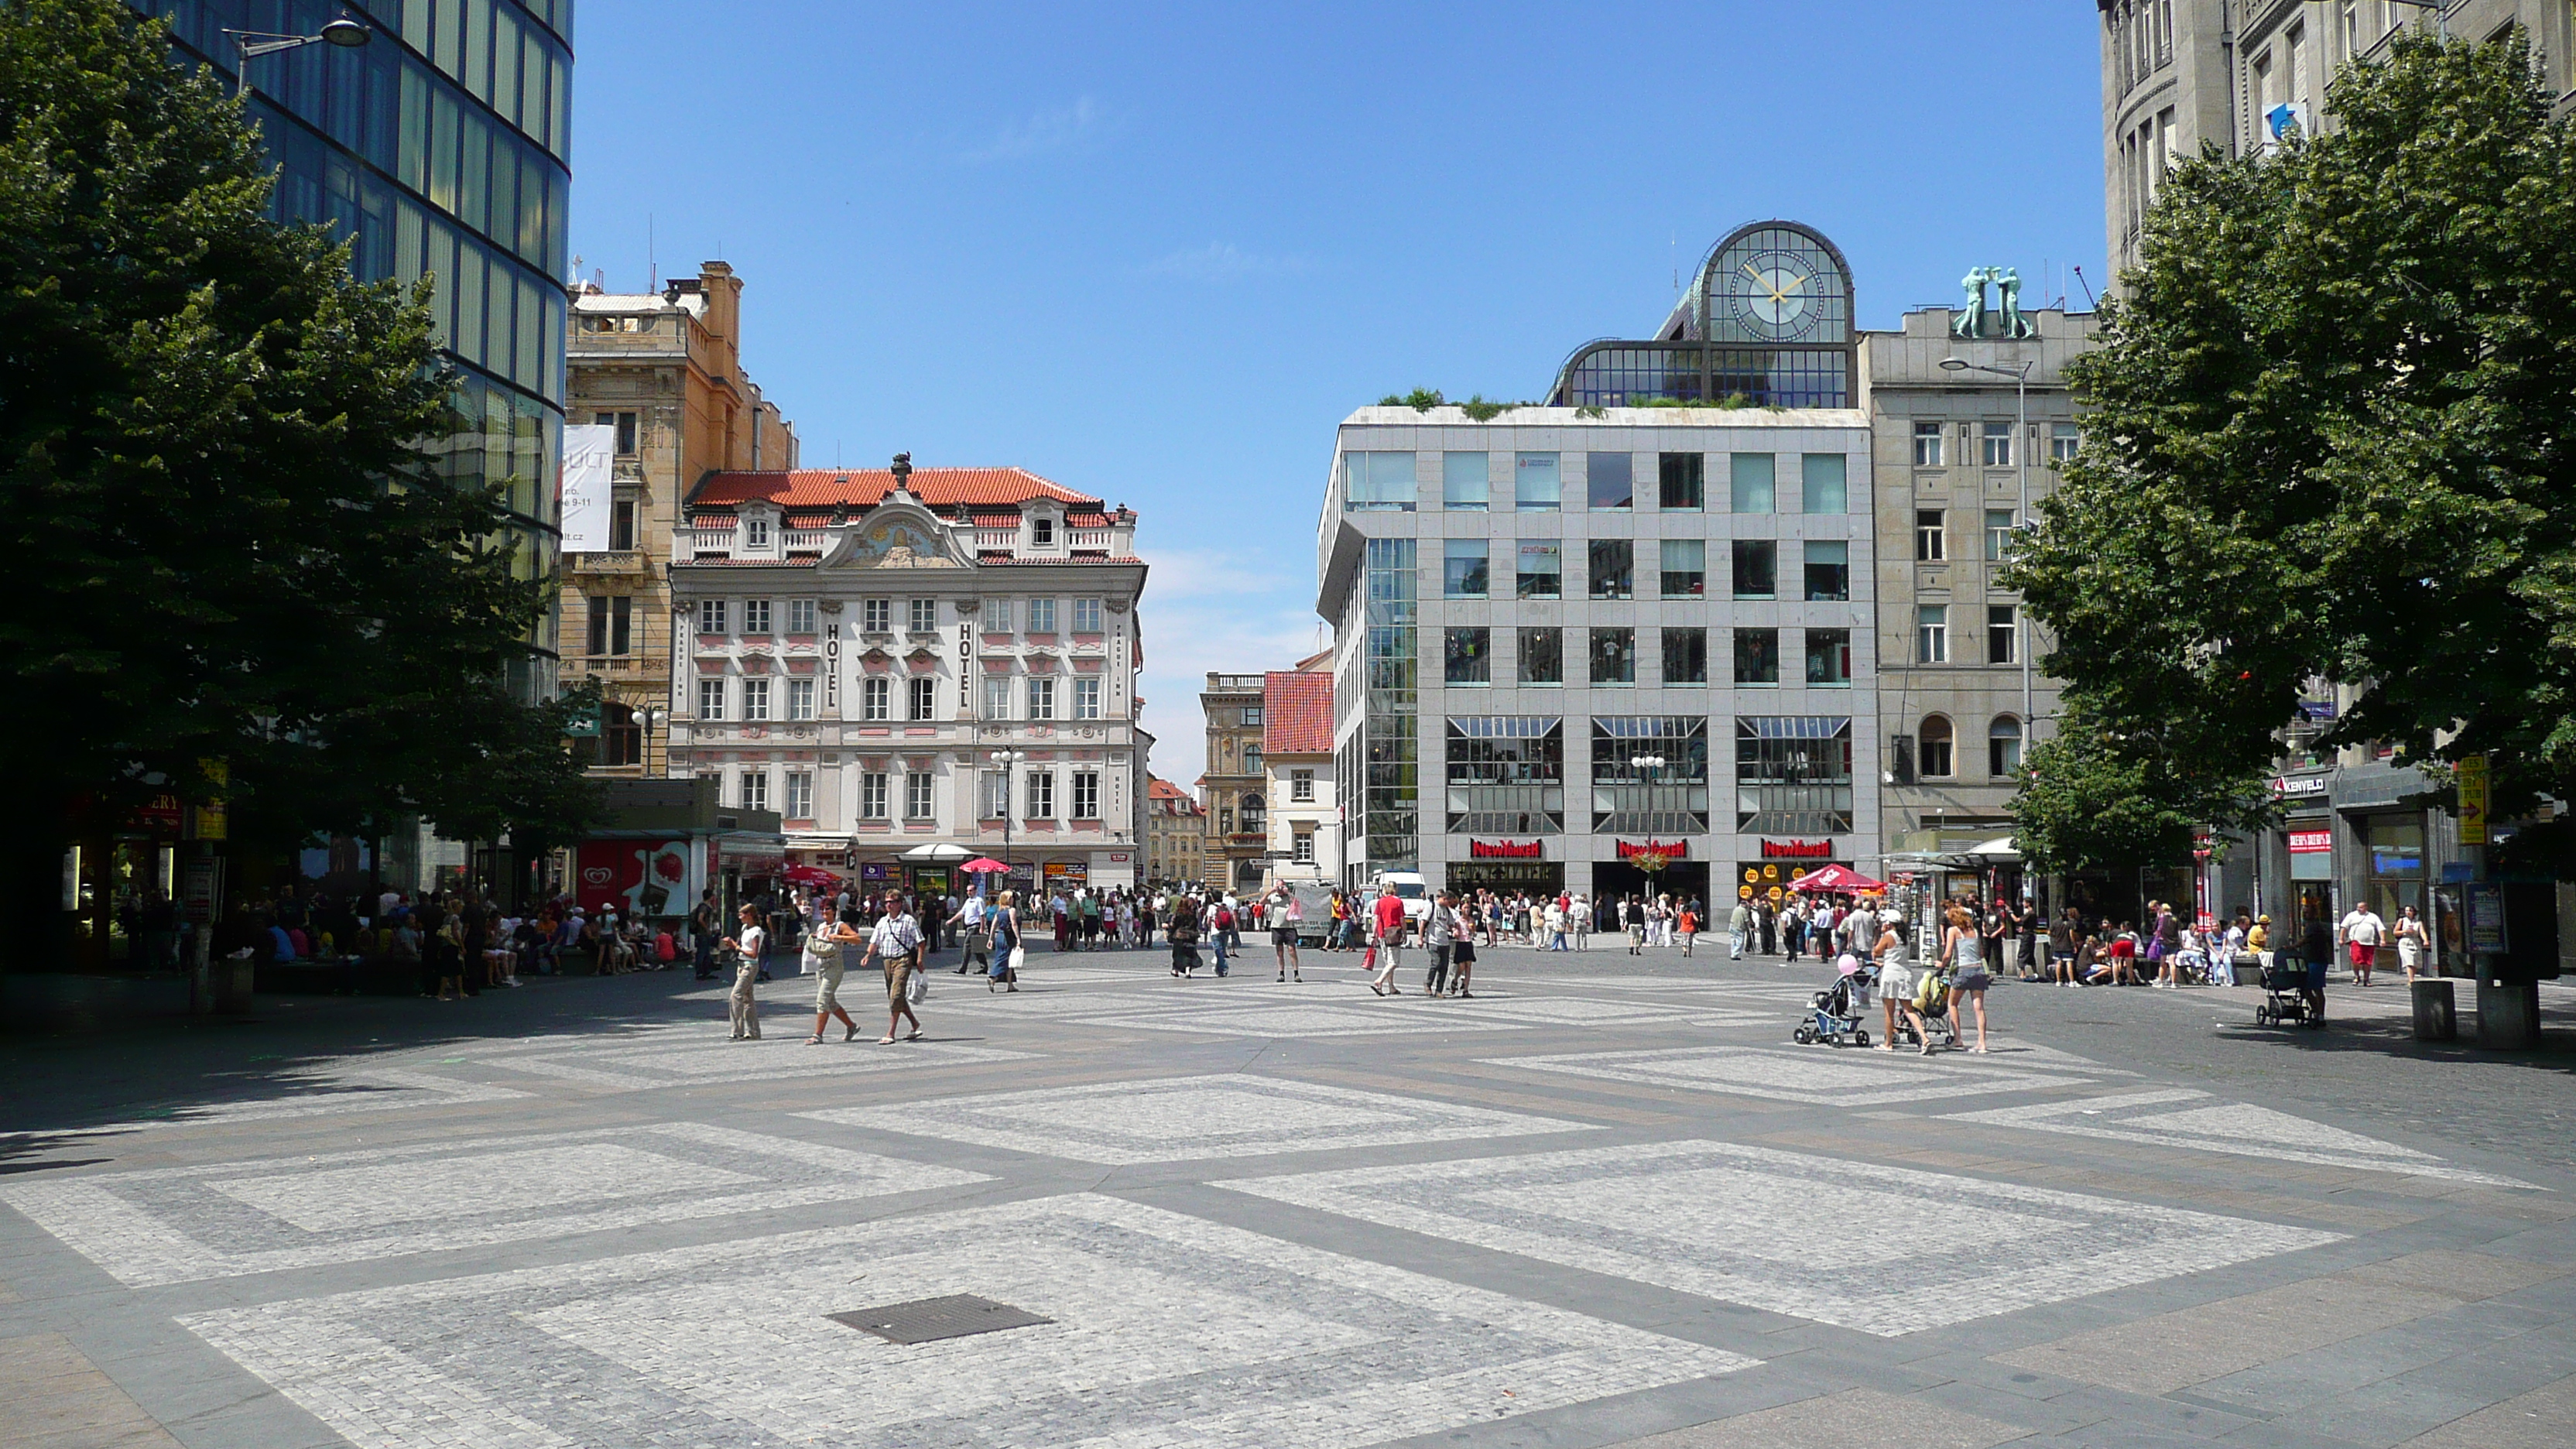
(897,942)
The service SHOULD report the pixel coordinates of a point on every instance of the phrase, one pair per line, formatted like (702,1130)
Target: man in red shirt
(1387,915)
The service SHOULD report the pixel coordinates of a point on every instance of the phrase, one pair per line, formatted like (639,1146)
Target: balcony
(617,561)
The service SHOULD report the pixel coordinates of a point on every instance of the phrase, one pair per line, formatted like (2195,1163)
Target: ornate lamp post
(1654,859)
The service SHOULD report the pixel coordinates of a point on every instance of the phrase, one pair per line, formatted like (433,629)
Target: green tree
(2329,439)
(229,545)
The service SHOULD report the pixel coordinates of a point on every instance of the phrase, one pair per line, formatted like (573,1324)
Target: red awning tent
(984,865)
(1835,880)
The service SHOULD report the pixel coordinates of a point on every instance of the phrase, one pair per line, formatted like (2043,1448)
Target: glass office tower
(442,147)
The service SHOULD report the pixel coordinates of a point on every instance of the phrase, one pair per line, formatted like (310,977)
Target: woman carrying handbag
(1002,945)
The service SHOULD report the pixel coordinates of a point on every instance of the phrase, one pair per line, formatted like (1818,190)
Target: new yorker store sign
(1797,850)
(1502,850)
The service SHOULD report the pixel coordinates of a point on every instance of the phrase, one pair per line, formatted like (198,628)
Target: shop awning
(1835,879)
(936,853)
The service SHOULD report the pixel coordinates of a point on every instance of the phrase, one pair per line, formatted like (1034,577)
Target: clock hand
(1760,281)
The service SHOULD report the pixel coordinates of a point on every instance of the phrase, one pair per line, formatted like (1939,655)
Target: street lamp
(1009,761)
(2021,513)
(652,716)
(1647,765)
(249,44)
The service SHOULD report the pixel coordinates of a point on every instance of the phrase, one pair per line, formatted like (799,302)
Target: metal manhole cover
(927,1320)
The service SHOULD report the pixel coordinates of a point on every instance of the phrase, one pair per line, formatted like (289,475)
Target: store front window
(2395,864)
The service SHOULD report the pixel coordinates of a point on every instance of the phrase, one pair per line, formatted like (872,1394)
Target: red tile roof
(980,488)
(1296,713)
(1158,788)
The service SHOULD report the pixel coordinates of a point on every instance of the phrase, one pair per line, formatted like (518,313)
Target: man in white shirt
(971,917)
(897,942)
(2362,930)
(1738,922)
(749,945)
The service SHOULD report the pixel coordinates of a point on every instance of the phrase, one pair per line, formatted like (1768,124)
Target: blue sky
(1157,253)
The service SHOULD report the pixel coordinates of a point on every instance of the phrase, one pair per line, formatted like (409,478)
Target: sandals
(885,1041)
(814,1040)
(916,1036)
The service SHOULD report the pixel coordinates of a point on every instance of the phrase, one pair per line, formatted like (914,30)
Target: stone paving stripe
(1448,1087)
(2544,1418)
(54,1396)
(2181,1117)
(1820,1076)
(1841,1421)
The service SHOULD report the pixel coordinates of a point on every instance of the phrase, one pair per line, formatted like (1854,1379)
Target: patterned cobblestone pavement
(1603,1203)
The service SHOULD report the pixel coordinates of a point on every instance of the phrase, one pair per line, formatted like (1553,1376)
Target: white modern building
(899,658)
(1576,638)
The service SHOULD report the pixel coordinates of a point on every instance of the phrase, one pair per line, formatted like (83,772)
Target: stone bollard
(2508,1014)
(2437,1016)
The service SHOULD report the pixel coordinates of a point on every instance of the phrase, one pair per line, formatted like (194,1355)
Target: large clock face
(1773,295)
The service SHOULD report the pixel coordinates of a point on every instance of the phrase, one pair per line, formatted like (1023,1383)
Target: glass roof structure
(1766,322)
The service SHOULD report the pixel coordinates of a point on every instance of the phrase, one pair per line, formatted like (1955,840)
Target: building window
(711,699)
(1931,540)
(1542,570)
(755,789)
(1041,699)
(997,697)
(1041,616)
(1252,759)
(2063,438)
(800,616)
(1757,568)
(1041,533)
(1999,445)
(1086,698)
(1685,656)
(755,534)
(755,616)
(1757,656)
(1999,535)
(1086,616)
(621,525)
(876,699)
(921,697)
(711,616)
(1466,656)
(1933,750)
(1932,634)
(1613,568)
(1301,847)
(1752,483)
(2003,747)
(1671,798)
(872,795)
(1252,715)
(997,794)
(612,624)
(876,616)
(1682,484)
(1378,482)
(1301,786)
(916,794)
(1613,656)
(1828,565)
(1463,564)
(1824,485)
(1535,485)
(621,735)
(1829,657)
(1463,484)
(800,699)
(800,795)
(1609,481)
(997,616)
(1255,813)
(1927,445)
(1793,775)
(627,430)
(1685,568)
(1086,795)
(924,615)
(755,699)
(1542,656)
(2003,632)
(1041,796)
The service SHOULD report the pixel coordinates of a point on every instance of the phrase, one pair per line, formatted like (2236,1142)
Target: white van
(1409,888)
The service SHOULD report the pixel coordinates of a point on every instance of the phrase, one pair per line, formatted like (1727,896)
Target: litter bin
(2437,1015)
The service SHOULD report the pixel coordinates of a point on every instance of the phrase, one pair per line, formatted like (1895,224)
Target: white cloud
(1207,612)
(1082,122)
(1224,262)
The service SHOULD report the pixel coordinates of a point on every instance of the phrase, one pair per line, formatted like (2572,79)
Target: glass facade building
(1767,322)
(440,148)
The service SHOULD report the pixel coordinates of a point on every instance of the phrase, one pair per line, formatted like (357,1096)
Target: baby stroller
(1833,1014)
(1932,1003)
(2284,1000)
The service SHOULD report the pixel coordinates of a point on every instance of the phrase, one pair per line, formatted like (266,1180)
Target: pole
(2021,520)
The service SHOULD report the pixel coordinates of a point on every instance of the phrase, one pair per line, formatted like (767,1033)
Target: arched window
(1932,749)
(1256,813)
(2003,746)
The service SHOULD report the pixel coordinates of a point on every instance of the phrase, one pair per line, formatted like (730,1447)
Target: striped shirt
(895,936)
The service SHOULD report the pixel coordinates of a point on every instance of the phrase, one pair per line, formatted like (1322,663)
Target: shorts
(2364,954)
(2316,976)
(827,984)
(898,974)
(1973,981)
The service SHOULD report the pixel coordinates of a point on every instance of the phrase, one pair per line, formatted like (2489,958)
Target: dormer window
(1042,532)
(755,533)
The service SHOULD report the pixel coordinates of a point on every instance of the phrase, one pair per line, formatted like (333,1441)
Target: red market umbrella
(985,865)
(809,875)
(1835,880)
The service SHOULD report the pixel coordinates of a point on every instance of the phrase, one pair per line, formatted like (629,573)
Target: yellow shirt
(2259,939)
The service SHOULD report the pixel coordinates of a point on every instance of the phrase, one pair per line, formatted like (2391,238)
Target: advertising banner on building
(638,877)
(589,453)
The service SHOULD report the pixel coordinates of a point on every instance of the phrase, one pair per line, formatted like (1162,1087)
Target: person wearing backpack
(1224,931)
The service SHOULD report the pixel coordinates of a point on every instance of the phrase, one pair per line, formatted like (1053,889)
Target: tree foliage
(228,543)
(2328,440)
